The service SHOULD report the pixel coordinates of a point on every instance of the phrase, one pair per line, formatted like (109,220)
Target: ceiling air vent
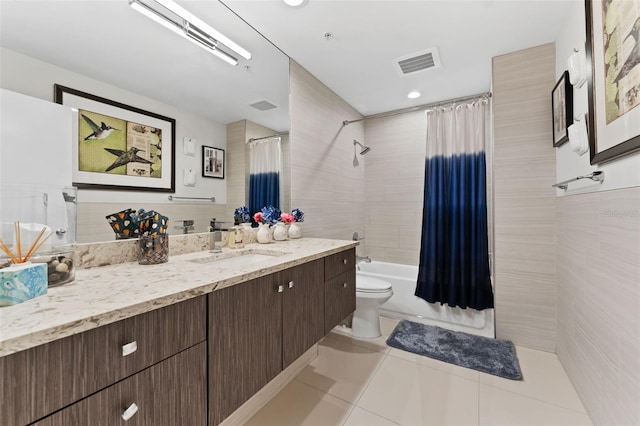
(262,105)
(418,61)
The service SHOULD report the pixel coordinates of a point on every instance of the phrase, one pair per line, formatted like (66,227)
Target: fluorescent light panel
(188,16)
(190,29)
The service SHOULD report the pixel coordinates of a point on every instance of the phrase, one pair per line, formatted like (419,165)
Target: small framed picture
(212,162)
(562,109)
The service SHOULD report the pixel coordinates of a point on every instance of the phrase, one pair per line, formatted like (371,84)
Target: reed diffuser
(17,258)
(23,280)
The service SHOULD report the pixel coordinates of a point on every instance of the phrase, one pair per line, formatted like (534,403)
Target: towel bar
(212,199)
(597,176)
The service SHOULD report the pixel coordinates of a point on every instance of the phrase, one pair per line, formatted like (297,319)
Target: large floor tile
(466,373)
(543,379)
(341,369)
(360,417)
(411,394)
(500,407)
(298,404)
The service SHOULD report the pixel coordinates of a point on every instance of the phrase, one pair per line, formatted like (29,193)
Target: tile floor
(366,383)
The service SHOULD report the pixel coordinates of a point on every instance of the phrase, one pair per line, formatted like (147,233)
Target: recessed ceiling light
(413,95)
(296,3)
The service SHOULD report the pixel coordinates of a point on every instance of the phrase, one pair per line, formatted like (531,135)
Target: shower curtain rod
(419,107)
(267,137)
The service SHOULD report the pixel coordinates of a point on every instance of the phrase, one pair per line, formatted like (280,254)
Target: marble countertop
(103,295)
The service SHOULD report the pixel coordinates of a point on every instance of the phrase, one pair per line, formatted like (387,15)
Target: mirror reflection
(128,58)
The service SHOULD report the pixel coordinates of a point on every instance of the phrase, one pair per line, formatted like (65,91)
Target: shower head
(364,149)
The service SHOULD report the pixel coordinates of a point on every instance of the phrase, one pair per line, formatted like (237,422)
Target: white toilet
(370,294)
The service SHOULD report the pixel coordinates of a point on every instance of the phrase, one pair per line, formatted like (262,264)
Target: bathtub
(405,305)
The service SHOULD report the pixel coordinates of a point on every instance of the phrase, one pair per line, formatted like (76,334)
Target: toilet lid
(371,285)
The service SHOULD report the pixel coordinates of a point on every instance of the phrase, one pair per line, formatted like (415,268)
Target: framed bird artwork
(119,147)
(613,50)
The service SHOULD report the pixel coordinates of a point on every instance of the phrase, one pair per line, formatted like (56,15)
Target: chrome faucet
(365,259)
(187,225)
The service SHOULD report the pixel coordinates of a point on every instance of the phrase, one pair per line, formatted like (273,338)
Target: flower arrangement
(287,218)
(298,215)
(269,215)
(241,215)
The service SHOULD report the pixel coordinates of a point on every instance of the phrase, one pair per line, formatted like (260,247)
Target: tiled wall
(92,225)
(394,172)
(525,202)
(324,182)
(598,273)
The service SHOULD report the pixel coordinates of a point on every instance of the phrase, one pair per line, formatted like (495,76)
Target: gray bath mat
(493,356)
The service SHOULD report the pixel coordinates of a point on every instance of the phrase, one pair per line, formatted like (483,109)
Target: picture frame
(118,146)
(213,162)
(613,78)
(562,109)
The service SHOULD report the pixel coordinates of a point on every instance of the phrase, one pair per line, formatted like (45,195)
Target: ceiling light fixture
(413,95)
(192,28)
(296,3)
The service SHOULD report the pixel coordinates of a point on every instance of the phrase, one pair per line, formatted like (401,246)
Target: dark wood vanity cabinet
(257,329)
(245,343)
(302,310)
(190,363)
(340,288)
(172,392)
(46,378)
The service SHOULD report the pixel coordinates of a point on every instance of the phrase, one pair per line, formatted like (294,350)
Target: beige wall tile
(525,207)
(599,300)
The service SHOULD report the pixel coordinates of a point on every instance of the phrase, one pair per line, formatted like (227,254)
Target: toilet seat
(371,285)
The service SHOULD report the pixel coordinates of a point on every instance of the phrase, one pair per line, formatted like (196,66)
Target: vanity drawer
(40,380)
(339,263)
(170,393)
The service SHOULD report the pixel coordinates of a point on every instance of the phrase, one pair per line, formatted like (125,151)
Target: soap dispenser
(235,237)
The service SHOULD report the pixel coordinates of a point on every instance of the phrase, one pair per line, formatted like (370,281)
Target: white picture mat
(78,102)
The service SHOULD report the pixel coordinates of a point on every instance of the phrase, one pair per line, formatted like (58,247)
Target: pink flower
(258,217)
(286,217)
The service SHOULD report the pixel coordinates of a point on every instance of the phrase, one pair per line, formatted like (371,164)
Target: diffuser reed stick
(35,246)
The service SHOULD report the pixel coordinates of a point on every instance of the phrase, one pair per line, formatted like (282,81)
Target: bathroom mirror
(108,47)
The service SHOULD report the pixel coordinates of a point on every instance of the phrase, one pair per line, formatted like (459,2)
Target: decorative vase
(280,233)
(295,231)
(264,235)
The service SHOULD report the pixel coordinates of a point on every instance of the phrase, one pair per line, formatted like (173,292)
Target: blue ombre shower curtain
(265,166)
(454,253)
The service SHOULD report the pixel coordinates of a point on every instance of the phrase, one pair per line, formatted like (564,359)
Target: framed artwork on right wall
(613,53)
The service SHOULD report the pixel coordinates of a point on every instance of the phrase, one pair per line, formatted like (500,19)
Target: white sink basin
(236,260)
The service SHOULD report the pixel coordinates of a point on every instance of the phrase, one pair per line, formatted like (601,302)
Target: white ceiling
(357,63)
(110,42)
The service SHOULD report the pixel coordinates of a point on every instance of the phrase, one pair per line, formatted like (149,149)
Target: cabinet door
(245,343)
(303,309)
(41,380)
(172,392)
(340,298)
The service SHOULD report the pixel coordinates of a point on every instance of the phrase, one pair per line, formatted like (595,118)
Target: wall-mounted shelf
(597,176)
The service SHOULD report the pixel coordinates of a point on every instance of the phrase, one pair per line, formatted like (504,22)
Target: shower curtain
(454,253)
(265,166)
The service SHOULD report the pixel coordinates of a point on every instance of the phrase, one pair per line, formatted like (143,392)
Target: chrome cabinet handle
(129,412)
(344,261)
(129,348)
(280,288)
(290,284)
(344,285)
